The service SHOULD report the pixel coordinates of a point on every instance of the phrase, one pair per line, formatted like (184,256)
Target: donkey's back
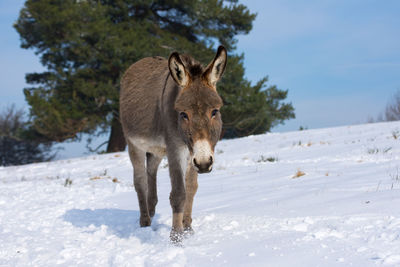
(140,100)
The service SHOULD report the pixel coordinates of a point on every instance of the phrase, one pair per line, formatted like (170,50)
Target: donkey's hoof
(151,213)
(176,237)
(188,231)
(145,221)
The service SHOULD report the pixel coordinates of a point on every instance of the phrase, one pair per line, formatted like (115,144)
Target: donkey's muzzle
(203,167)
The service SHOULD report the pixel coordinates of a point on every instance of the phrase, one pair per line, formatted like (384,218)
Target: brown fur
(170,107)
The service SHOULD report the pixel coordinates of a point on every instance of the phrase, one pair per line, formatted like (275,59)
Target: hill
(325,197)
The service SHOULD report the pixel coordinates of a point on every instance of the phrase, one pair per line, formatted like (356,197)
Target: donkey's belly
(155,146)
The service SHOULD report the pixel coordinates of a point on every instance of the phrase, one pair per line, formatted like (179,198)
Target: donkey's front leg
(178,161)
(191,189)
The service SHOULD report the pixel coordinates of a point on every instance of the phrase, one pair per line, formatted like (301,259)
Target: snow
(252,210)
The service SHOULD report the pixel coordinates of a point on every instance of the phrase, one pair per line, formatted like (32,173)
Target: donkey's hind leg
(140,182)
(152,166)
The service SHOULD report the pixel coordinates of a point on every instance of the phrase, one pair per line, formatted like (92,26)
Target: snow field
(251,210)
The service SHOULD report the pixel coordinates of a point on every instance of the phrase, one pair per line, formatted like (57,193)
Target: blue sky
(340,59)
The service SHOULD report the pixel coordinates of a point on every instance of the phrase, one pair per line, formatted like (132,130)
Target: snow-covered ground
(250,211)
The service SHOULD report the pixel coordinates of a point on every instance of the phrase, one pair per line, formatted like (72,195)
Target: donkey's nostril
(211,160)
(195,163)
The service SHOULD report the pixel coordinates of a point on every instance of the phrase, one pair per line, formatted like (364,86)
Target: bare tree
(17,144)
(392,111)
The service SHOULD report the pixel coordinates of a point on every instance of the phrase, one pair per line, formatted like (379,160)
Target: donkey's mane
(194,67)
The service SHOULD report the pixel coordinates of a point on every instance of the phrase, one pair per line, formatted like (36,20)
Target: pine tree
(250,109)
(87,45)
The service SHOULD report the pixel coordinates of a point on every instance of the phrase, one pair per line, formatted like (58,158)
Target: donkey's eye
(214,112)
(183,115)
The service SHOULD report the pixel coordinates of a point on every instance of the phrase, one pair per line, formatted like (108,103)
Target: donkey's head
(198,104)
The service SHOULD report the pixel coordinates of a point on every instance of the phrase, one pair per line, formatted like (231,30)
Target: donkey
(171,107)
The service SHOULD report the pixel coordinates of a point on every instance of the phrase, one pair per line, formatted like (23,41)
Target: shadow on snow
(122,223)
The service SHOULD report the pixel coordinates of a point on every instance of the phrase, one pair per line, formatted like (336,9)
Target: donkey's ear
(216,68)
(177,70)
